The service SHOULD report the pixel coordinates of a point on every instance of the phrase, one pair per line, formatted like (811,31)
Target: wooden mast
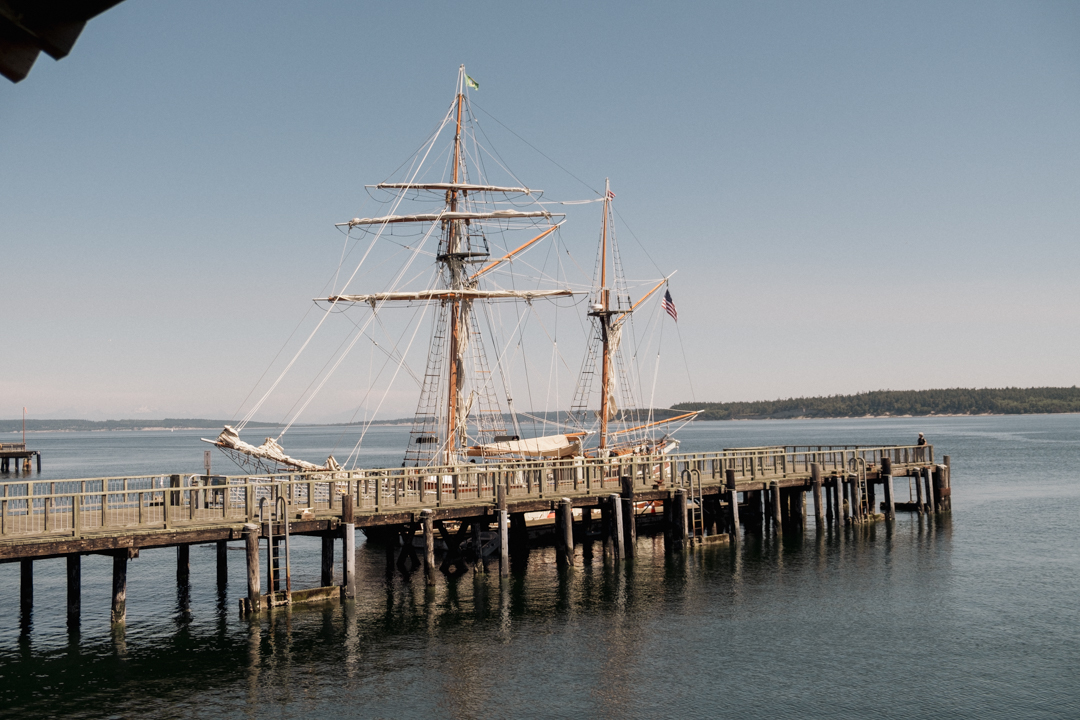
(454,264)
(605,372)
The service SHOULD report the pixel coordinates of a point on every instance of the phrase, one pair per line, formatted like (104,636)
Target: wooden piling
(26,586)
(919,504)
(626,505)
(847,510)
(929,489)
(856,500)
(119,587)
(348,559)
(428,520)
(890,497)
(183,565)
(618,539)
(682,536)
(251,545)
(565,530)
(774,493)
(629,520)
(326,578)
(819,509)
(946,485)
(837,489)
(222,563)
(74,589)
(504,543)
(733,503)
(504,532)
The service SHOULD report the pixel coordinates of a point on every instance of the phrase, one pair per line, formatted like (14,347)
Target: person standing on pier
(921,442)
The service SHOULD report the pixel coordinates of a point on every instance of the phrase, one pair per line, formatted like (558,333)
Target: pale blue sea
(976,615)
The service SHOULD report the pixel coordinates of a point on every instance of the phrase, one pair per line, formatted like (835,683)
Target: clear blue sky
(857,196)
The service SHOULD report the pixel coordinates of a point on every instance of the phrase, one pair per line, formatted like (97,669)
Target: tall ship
(483,270)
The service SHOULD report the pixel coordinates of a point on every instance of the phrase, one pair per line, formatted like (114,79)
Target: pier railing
(148,502)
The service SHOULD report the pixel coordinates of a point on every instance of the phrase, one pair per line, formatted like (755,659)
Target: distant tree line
(35,425)
(951,401)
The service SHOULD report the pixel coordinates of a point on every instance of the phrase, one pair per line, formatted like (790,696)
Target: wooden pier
(693,498)
(17,452)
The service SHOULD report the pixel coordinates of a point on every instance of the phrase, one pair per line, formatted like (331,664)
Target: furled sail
(433,217)
(450,294)
(548,446)
(229,439)
(467,187)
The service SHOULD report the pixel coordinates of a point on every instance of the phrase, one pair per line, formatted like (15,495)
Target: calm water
(976,616)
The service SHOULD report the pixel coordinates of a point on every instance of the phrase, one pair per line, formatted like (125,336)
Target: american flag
(611,195)
(669,306)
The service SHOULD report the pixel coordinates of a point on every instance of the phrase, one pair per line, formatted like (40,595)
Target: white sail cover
(269,450)
(432,217)
(549,446)
(449,294)
(467,187)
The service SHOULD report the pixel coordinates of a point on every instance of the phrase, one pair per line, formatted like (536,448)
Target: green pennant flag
(472,83)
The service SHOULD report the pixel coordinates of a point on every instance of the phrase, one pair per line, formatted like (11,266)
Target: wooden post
(856,501)
(774,492)
(427,519)
(222,563)
(327,566)
(886,479)
(565,528)
(836,490)
(183,565)
(607,533)
(929,490)
(251,545)
(504,543)
(26,586)
(918,492)
(819,509)
(119,587)
(682,536)
(618,539)
(586,528)
(74,589)
(626,506)
(946,486)
(478,545)
(629,521)
(733,502)
(504,530)
(348,559)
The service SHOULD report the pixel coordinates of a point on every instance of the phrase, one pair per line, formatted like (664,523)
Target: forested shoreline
(880,403)
(885,403)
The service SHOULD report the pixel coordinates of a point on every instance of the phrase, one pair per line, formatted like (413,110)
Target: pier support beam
(629,521)
(119,587)
(183,565)
(733,503)
(886,480)
(348,560)
(326,568)
(222,563)
(919,504)
(819,509)
(774,493)
(427,519)
(254,586)
(617,539)
(519,536)
(946,486)
(564,533)
(26,587)
(504,533)
(837,491)
(678,514)
(926,473)
(74,589)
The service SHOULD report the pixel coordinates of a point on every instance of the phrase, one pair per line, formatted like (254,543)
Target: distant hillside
(34,425)
(955,401)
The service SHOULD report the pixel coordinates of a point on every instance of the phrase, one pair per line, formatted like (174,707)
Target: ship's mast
(605,317)
(457,281)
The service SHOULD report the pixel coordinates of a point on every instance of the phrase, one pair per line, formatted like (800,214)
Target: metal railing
(148,502)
